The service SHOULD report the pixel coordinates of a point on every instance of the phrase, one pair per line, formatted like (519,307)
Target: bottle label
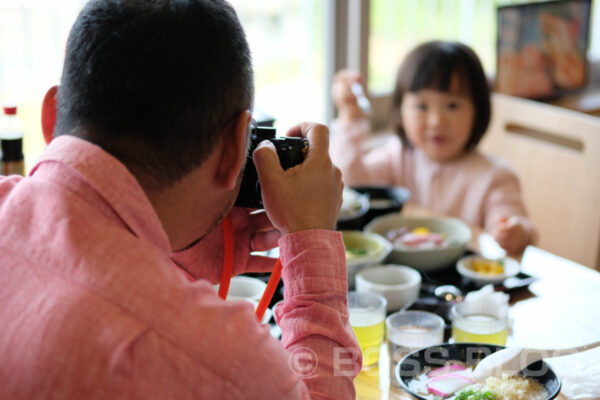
(13,168)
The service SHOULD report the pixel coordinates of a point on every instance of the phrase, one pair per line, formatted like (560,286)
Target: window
(396,26)
(287,39)
(33,37)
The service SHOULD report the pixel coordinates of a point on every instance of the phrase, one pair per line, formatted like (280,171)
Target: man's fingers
(266,160)
(317,136)
(264,241)
(260,222)
(258,264)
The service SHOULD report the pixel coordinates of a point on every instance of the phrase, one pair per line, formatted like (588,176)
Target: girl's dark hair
(432,65)
(155,83)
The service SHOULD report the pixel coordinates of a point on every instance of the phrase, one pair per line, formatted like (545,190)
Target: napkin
(580,374)
(487,301)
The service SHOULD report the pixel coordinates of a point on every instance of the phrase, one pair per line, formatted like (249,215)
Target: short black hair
(432,65)
(154,83)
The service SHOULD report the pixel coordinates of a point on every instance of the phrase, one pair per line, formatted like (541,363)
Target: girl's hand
(511,234)
(343,98)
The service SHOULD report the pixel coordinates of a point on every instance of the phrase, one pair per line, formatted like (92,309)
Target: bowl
(363,249)
(399,284)
(482,271)
(383,200)
(437,356)
(354,208)
(457,235)
(244,288)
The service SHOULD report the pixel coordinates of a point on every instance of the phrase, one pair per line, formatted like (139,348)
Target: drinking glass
(408,331)
(474,324)
(367,316)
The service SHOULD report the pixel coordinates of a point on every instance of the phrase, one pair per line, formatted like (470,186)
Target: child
(441,110)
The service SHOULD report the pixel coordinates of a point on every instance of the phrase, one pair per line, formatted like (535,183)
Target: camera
(290,150)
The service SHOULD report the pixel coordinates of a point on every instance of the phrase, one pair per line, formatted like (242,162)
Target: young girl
(441,110)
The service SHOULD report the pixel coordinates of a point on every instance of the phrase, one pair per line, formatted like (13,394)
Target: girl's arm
(506,215)
(349,133)
(360,163)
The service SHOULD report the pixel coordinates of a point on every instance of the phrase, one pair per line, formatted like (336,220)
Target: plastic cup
(367,316)
(473,324)
(408,331)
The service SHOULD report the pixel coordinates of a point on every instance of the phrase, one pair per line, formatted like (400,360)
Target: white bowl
(457,233)
(375,249)
(464,266)
(399,284)
(245,288)
(354,207)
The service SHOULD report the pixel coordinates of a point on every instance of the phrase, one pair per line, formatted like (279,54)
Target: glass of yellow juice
(472,324)
(367,316)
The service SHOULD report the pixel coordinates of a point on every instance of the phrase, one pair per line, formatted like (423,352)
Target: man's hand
(306,196)
(343,98)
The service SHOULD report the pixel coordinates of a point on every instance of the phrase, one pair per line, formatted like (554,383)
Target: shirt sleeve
(361,165)
(320,356)
(314,317)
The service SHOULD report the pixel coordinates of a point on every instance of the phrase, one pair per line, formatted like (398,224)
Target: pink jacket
(475,188)
(92,307)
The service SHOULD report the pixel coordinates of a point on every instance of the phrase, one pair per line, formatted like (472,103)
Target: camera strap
(227,272)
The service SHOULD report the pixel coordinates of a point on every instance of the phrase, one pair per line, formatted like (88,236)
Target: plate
(469,353)
(466,267)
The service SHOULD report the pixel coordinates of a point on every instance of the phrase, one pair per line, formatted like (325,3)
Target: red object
(10,110)
(269,291)
(227,272)
(227,257)
(49,113)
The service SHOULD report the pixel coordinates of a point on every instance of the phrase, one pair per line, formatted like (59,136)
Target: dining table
(560,308)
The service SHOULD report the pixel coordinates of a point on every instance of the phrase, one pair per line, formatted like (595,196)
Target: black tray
(450,276)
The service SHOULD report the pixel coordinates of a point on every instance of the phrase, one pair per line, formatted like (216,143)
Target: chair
(556,153)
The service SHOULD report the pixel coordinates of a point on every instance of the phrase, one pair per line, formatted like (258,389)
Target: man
(145,161)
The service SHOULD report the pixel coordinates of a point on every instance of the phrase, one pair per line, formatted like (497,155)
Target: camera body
(290,150)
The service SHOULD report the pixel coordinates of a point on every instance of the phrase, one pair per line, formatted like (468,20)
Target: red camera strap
(227,272)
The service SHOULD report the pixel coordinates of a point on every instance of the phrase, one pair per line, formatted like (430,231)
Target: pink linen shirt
(476,188)
(92,306)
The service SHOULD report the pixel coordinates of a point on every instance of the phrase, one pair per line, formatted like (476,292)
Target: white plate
(463,266)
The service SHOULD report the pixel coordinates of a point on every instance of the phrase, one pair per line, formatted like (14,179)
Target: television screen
(542,47)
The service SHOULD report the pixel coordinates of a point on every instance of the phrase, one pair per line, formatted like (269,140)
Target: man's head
(155,83)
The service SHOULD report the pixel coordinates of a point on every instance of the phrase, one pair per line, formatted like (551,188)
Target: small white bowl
(245,288)
(399,284)
(375,249)
(464,266)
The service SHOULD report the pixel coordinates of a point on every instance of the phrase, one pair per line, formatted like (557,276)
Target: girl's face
(438,122)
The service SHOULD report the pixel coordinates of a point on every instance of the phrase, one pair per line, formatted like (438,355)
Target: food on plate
(352,252)
(351,203)
(417,239)
(358,246)
(476,395)
(487,267)
(453,382)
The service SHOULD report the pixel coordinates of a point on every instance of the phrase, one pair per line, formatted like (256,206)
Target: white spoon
(513,359)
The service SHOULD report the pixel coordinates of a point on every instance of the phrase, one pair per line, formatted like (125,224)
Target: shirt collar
(112,181)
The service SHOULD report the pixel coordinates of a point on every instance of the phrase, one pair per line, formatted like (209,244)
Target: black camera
(291,151)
